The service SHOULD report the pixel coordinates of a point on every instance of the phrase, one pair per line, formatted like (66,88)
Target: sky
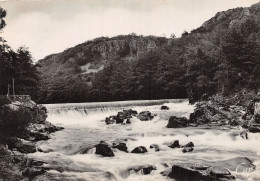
(51,26)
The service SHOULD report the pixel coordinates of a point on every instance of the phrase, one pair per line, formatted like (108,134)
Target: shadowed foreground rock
(211,171)
(200,173)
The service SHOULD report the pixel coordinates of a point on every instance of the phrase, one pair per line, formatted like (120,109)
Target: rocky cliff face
(100,51)
(232,18)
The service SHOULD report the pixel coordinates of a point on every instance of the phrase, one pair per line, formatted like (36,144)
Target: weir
(110,105)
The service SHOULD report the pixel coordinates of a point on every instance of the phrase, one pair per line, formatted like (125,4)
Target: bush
(14,122)
(4,100)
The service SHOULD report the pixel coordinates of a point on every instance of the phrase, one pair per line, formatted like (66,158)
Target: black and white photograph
(129,90)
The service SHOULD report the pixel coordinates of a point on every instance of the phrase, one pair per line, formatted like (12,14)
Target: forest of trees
(220,58)
(17,65)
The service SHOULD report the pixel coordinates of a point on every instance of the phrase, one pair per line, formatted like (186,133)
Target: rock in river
(103,149)
(145,116)
(120,146)
(155,146)
(164,108)
(188,172)
(139,149)
(177,122)
(175,144)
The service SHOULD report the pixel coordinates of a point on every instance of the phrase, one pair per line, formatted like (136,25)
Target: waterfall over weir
(116,104)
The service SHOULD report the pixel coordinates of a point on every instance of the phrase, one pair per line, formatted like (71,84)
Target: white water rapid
(84,126)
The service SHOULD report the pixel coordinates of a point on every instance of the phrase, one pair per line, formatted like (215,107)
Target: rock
(33,172)
(87,149)
(233,123)
(156,147)
(199,173)
(177,122)
(238,164)
(22,146)
(144,170)
(139,149)
(164,108)
(198,112)
(128,121)
(129,112)
(110,119)
(145,116)
(253,107)
(30,162)
(175,144)
(190,144)
(200,167)
(219,172)
(247,124)
(120,146)
(186,173)
(103,149)
(49,128)
(244,135)
(254,128)
(120,117)
(40,136)
(257,118)
(187,149)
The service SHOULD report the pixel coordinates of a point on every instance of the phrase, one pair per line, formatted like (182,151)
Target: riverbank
(15,145)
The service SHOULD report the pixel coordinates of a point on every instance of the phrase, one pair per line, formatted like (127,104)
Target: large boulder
(104,149)
(145,116)
(177,122)
(199,173)
(139,149)
(238,164)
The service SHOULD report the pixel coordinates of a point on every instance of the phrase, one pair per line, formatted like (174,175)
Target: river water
(84,127)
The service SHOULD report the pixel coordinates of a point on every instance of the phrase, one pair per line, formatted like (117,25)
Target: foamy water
(84,126)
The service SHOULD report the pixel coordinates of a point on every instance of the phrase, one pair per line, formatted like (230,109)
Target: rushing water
(84,127)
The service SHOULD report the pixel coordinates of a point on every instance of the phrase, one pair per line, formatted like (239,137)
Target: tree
(173,36)
(2,16)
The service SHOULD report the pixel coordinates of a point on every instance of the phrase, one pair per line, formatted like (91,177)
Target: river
(84,127)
